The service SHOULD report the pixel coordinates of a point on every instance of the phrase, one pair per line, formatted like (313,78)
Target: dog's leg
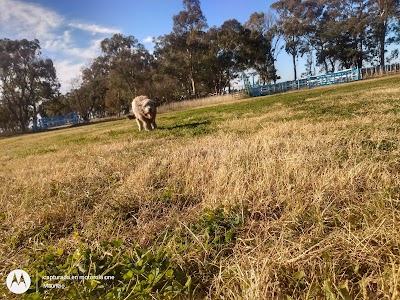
(153,124)
(147,125)
(140,124)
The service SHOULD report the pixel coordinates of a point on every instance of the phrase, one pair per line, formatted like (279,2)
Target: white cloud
(59,40)
(89,52)
(66,71)
(148,40)
(94,29)
(26,20)
(79,58)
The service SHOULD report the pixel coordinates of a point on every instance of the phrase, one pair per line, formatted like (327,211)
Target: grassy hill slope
(291,196)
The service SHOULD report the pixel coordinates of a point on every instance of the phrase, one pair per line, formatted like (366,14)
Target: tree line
(194,60)
(337,33)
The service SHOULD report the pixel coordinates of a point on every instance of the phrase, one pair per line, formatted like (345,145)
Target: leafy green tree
(87,95)
(165,85)
(59,106)
(117,97)
(338,31)
(383,15)
(215,64)
(180,52)
(320,40)
(311,19)
(230,50)
(80,99)
(290,26)
(233,43)
(8,123)
(172,62)
(357,27)
(263,45)
(129,60)
(341,33)
(395,29)
(26,80)
(95,83)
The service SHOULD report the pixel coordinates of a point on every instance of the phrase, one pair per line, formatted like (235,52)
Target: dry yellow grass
(317,195)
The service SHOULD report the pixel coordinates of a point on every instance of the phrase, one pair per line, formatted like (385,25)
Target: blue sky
(70,31)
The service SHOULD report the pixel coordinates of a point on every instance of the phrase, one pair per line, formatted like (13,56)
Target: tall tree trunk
(332,66)
(191,73)
(360,58)
(22,118)
(294,66)
(326,66)
(382,39)
(34,121)
(23,124)
(193,86)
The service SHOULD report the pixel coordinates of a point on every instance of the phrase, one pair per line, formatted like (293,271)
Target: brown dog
(144,111)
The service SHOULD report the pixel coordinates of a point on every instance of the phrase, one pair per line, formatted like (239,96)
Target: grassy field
(292,196)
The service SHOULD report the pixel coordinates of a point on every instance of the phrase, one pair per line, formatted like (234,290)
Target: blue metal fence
(311,81)
(54,121)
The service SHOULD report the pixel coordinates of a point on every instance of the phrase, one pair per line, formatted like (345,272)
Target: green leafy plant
(218,227)
(113,271)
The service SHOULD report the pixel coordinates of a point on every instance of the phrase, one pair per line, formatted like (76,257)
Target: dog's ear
(131,117)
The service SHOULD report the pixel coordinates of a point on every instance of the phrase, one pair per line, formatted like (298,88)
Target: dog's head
(149,109)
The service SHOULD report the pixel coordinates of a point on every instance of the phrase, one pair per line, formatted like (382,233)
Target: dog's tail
(131,117)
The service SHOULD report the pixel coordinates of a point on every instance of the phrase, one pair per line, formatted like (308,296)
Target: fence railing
(321,80)
(311,81)
(54,121)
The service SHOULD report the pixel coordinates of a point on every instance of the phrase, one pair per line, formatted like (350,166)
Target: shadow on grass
(191,125)
(189,129)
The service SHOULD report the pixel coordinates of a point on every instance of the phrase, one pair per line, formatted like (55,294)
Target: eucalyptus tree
(26,80)
(290,26)
(339,32)
(81,99)
(117,96)
(171,63)
(126,58)
(233,42)
(327,34)
(263,45)
(181,51)
(222,59)
(385,16)
(215,63)
(8,123)
(61,105)
(95,83)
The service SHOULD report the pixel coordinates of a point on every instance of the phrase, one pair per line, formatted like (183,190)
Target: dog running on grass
(144,110)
